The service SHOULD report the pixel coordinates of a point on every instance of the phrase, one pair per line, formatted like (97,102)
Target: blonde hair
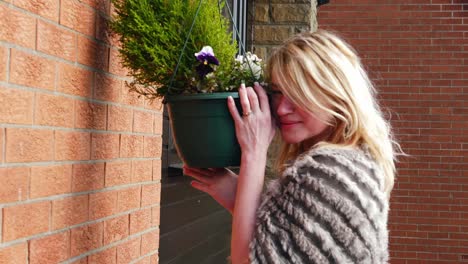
(320,72)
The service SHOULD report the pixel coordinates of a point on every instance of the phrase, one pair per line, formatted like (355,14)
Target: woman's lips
(288,124)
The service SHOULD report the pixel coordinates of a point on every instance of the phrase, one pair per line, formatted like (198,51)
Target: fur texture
(329,207)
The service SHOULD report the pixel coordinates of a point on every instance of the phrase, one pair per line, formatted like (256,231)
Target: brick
(25,220)
(116,229)
(56,41)
(158,124)
(3,63)
(142,170)
(45,8)
(50,249)
(156,216)
(53,110)
(155,105)
(28,145)
(262,13)
(145,260)
(17,27)
(131,146)
(157,169)
(75,15)
(72,145)
(152,147)
(16,106)
(105,146)
(143,121)
(83,260)
(15,184)
(2,142)
(128,199)
(140,221)
(128,251)
(74,80)
(104,34)
(14,254)
(120,118)
(108,256)
(92,54)
(291,13)
(154,259)
(31,70)
(102,6)
(107,88)
(50,180)
(130,97)
(149,242)
(115,63)
(86,238)
(102,204)
(69,211)
(118,173)
(150,194)
(271,34)
(90,115)
(87,177)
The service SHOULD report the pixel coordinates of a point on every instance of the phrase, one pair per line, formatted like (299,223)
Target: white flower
(240,59)
(210,75)
(250,63)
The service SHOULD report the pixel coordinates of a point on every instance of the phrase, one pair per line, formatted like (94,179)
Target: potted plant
(183,51)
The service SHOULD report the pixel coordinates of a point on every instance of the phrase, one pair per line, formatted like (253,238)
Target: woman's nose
(284,106)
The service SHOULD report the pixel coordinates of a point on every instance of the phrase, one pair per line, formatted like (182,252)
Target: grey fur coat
(328,207)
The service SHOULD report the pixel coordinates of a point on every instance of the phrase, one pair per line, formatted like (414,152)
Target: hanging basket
(159,42)
(202,126)
(203,129)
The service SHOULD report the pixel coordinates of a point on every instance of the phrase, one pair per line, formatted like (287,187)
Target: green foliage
(152,34)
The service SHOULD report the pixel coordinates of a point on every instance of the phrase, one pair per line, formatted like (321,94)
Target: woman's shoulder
(356,164)
(327,207)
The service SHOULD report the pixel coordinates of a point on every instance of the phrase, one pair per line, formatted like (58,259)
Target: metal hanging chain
(188,37)
(185,45)
(238,36)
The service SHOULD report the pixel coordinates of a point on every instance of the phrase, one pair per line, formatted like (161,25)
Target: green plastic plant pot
(203,129)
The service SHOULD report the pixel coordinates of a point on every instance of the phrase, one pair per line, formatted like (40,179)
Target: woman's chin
(290,139)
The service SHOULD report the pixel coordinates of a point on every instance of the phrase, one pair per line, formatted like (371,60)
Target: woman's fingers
(244,100)
(201,186)
(198,174)
(253,100)
(233,110)
(262,97)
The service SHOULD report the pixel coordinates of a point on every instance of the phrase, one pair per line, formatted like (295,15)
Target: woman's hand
(254,129)
(219,183)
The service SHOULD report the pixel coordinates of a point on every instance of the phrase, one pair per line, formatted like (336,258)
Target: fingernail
(256,84)
(230,99)
(243,85)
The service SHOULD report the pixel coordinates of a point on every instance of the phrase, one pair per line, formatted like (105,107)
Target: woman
(330,204)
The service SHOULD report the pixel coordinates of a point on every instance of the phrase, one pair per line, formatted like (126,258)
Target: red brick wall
(79,154)
(417,52)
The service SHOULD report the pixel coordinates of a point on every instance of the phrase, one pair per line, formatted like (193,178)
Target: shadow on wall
(109,117)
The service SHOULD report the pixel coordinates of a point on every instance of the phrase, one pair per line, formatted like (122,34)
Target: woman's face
(297,125)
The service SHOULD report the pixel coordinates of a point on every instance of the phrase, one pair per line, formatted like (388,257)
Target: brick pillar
(79,154)
(276,21)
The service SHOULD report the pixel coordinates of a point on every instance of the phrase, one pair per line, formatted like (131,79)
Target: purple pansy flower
(206,58)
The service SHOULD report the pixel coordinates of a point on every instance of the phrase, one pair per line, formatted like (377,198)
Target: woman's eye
(276,96)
